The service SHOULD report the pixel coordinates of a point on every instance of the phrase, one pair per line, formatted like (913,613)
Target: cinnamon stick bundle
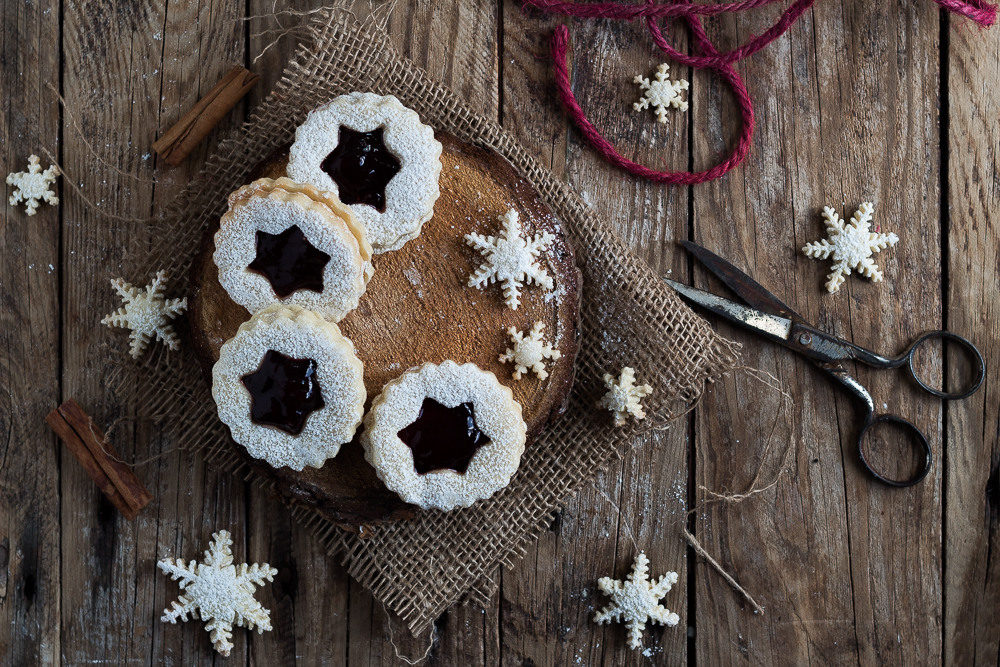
(178,142)
(88,444)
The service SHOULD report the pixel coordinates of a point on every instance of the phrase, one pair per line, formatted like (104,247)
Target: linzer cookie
(377,157)
(286,242)
(444,436)
(419,308)
(290,387)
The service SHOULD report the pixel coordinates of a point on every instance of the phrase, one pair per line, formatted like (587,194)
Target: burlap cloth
(419,568)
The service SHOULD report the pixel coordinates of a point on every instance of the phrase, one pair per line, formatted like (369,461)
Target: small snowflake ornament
(661,93)
(32,186)
(511,259)
(623,396)
(147,314)
(529,352)
(851,246)
(637,600)
(220,592)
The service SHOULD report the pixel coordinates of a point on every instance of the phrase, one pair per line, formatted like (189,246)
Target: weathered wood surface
(849,570)
(971,481)
(860,101)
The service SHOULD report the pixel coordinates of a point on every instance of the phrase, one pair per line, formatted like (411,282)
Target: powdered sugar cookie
(377,157)
(287,242)
(444,436)
(290,387)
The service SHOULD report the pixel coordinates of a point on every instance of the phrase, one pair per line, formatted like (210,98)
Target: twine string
(630,12)
(392,641)
(700,550)
(378,17)
(105,442)
(559,46)
(706,57)
(755,487)
(752,490)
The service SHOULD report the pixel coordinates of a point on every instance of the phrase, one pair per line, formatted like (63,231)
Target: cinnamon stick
(99,459)
(178,142)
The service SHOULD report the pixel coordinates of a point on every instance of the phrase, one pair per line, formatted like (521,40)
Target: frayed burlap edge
(419,568)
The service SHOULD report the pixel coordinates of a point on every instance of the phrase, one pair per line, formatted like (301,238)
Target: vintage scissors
(769,317)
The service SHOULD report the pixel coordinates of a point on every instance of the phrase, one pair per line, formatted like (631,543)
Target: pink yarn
(706,56)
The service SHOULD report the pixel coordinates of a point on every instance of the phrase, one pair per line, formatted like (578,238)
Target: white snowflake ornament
(32,186)
(851,246)
(511,259)
(623,396)
(529,352)
(661,93)
(147,314)
(637,600)
(220,592)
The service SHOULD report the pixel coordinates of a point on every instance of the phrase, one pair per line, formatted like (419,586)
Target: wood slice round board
(418,307)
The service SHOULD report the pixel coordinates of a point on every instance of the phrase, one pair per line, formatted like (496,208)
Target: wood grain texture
(849,570)
(640,502)
(199,45)
(972,459)
(30,274)
(787,547)
(130,72)
(848,104)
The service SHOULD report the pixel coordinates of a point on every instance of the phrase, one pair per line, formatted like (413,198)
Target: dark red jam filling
(443,438)
(361,166)
(289,262)
(283,392)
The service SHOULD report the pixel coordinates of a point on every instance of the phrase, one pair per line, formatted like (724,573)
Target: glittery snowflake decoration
(511,259)
(32,186)
(661,93)
(851,246)
(529,352)
(637,600)
(147,314)
(623,396)
(222,593)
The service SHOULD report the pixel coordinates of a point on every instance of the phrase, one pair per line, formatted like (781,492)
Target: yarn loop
(706,57)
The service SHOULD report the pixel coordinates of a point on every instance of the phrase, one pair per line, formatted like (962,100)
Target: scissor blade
(751,318)
(746,287)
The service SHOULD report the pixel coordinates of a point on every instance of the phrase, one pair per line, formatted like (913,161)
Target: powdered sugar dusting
(497,414)
(218,592)
(273,207)
(301,334)
(636,600)
(511,259)
(409,196)
(529,352)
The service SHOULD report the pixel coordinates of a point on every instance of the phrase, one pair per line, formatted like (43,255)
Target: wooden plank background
(894,103)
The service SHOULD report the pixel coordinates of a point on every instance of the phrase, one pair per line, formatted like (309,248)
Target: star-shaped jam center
(289,262)
(443,438)
(362,167)
(283,392)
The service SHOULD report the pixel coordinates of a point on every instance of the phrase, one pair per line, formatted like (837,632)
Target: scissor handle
(963,342)
(919,437)
(871,419)
(906,359)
